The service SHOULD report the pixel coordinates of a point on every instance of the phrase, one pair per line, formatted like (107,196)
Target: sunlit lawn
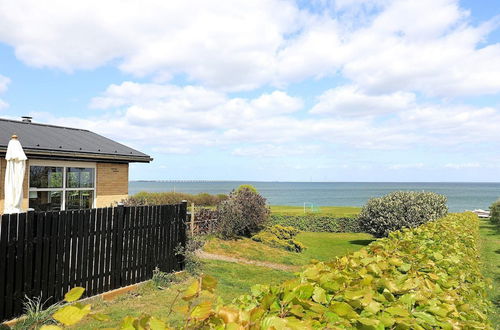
(337,211)
(490,255)
(319,246)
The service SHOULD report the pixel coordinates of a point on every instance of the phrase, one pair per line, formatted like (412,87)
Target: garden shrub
(162,198)
(495,212)
(401,209)
(242,214)
(280,237)
(317,223)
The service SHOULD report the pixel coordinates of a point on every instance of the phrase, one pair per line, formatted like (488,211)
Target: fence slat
(29,254)
(52,248)
(11,263)
(94,267)
(4,226)
(59,269)
(19,276)
(135,232)
(67,251)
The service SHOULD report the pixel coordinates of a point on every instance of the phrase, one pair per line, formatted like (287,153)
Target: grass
(319,246)
(490,255)
(337,211)
(233,281)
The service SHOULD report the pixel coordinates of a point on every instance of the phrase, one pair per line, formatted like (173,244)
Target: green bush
(242,214)
(247,186)
(401,209)
(162,198)
(280,237)
(495,212)
(317,223)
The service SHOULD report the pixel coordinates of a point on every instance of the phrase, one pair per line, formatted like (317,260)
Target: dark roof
(44,141)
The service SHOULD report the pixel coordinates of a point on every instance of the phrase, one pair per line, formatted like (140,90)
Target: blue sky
(346,90)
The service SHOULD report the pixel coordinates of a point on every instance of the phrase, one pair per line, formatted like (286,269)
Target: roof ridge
(46,125)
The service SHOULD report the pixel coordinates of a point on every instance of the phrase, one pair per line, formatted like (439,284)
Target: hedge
(420,278)
(495,212)
(317,223)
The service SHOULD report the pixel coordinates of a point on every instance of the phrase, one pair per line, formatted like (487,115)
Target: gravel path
(212,256)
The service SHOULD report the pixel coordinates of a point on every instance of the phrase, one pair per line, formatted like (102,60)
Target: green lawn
(233,281)
(319,246)
(490,255)
(337,211)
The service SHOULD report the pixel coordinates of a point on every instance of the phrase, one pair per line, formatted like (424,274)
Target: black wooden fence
(48,253)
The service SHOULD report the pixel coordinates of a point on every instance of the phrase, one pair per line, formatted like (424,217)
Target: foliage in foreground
(35,314)
(495,213)
(242,214)
(281,237)
(161,198)
(421,278)
(317,223)
(401,209)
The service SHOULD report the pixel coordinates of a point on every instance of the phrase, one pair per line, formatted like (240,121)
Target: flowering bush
(401,209)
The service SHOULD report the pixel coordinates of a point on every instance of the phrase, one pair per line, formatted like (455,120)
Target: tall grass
(161,198)
(35,314)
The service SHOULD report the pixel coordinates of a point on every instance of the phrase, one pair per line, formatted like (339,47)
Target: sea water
(461,196)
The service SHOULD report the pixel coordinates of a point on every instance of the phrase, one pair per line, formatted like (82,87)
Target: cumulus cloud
(382,46)
(350,101)
(174,119)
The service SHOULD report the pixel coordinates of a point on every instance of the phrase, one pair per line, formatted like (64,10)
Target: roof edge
(84,156)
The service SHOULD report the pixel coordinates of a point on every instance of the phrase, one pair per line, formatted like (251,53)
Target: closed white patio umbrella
(14,176)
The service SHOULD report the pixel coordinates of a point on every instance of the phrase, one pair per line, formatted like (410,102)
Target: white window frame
(64,165)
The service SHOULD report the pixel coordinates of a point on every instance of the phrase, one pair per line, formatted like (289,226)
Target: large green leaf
(74,294)
(70,315)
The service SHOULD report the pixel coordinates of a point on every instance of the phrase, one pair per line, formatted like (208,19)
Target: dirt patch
(205,255)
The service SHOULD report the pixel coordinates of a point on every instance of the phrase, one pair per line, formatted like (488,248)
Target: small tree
(401,209)
(242,214)
(495,212)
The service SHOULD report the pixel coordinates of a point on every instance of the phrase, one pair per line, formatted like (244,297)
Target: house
(68,168)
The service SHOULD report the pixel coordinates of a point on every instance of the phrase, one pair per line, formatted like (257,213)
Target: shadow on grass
(361,241)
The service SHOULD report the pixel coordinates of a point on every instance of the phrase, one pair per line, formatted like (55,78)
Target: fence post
(192,219)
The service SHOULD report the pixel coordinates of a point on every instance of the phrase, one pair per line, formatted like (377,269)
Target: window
(55,187)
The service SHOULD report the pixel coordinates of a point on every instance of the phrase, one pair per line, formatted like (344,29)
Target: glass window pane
(77,177)
(46,177)
(45,200)
(79,199)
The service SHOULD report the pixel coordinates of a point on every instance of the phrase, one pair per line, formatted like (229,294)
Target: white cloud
(4,82)
(220,44)
(350,101)
(382,46)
